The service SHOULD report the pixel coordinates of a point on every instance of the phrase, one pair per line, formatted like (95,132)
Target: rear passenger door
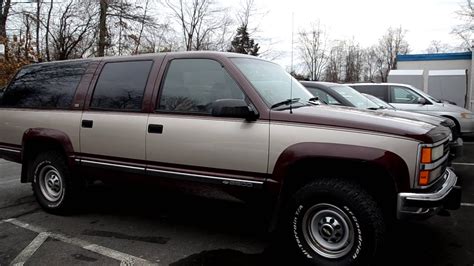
(185,141)
(113,126)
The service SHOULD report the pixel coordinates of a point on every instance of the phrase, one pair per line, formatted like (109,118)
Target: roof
(452,72)
(434,57)
(404,72)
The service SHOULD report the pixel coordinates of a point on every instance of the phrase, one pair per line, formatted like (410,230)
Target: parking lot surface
(119,225)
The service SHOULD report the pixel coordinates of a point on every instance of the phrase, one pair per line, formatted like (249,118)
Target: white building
(447,76)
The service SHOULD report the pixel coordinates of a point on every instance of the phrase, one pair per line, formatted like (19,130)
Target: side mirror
(233,108)
(421,101)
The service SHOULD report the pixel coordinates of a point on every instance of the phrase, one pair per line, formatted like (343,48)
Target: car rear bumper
(447,195)
(467,126)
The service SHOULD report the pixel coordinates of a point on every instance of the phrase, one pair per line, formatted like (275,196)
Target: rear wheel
(334,222)
(53,186)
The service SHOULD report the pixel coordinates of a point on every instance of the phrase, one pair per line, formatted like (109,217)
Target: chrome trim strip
(436,144)
(113,165)
(10,150)
(434,165)
(225,180)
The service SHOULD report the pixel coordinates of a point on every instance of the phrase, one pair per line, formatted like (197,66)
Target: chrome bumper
(447,195)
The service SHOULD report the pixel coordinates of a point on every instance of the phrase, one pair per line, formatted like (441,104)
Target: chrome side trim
(10,150)
(214,179)
(179,175)
(88,162)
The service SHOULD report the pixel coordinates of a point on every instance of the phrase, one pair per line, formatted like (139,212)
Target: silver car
(407,97)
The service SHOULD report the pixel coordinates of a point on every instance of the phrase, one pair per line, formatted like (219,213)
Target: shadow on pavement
(408,243)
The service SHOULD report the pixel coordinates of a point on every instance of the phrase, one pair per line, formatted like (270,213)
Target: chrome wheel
(328,230)
(50,183)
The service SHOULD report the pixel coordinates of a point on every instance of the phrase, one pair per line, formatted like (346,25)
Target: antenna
(291,66)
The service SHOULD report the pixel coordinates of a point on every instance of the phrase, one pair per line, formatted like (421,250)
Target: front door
(185,140)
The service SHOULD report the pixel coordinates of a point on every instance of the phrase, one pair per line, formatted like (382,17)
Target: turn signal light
(426,155)
(424,178)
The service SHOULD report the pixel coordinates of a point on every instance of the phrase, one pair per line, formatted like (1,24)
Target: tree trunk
(38,9)
(3,24)
(48,21)
(104,5)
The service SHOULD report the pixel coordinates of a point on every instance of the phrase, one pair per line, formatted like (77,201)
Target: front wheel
(334,222)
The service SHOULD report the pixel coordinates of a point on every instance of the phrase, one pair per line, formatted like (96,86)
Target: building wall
(426,63)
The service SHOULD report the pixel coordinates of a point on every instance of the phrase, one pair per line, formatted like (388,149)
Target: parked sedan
(339,94)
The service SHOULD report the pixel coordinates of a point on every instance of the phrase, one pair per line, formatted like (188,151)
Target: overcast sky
(362,20)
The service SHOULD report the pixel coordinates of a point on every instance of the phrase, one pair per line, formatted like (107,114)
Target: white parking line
(464,204)
(125,259)
(470,164)
(26,253)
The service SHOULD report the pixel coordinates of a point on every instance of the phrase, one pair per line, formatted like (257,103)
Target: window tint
(192,85)
(50,85)
(121,86)
(323,96)
(404,95)
(379,91)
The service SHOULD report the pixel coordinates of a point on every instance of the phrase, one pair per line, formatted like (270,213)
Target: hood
(432,119)
(350,118)
(447,107)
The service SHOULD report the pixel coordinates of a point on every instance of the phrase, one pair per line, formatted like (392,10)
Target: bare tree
(47,27)
(313,50)
(438,47)
(72,33)
(104,6)
(204,24)
(5,6)
(370,64)
(334,71)
(391,44)
(465,30)
(353,62)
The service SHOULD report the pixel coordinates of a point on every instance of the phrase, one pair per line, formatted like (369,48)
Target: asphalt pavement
(197,226)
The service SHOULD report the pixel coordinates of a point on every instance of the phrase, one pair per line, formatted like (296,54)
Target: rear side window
(379,91)
(121,86)
(192,85)
(51,85)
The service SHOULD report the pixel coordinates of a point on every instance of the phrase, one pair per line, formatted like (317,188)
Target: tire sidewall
(43,201)
(361,251)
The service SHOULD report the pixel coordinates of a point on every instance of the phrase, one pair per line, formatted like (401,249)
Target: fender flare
(45,135)
(391,162)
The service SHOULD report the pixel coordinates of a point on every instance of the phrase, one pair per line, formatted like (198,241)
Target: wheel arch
(36,140)
(378,171)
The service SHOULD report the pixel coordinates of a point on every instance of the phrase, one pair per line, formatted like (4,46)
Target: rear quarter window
(50,85)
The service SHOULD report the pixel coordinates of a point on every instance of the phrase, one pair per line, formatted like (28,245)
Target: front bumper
(467,126)
(446,195)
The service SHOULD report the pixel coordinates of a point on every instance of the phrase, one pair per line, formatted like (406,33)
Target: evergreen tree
(243,44)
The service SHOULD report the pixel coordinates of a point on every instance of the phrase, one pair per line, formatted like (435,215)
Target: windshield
(271,81)
(354,97)
(378,101)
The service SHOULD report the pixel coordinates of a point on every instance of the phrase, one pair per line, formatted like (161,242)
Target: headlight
(466,115)
(429,154)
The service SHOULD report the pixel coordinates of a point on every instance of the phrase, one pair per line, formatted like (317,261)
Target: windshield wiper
(285,102)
